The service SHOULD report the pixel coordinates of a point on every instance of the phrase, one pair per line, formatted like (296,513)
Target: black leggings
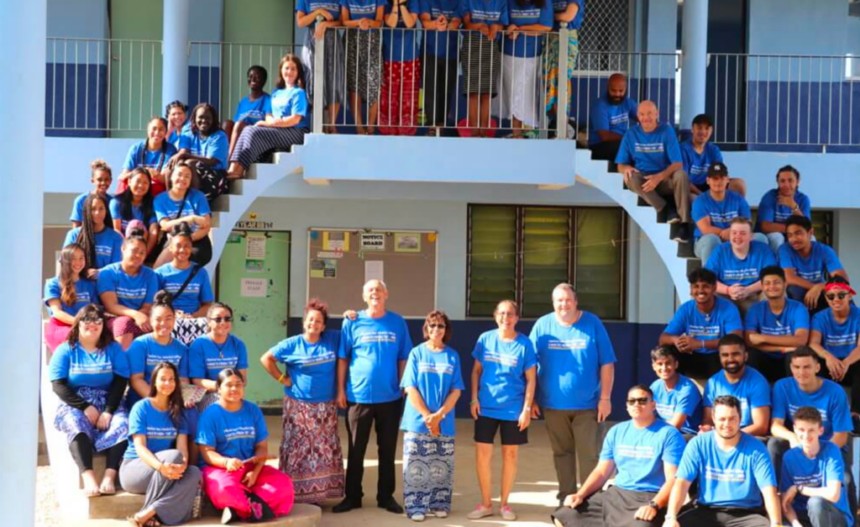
(81,448)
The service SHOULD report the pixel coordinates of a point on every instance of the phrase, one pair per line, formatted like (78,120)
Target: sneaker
(508,513)
(673,217)
(663,215)
(439,513)
(680,232)
(480,512)
(417,517)
(226,516)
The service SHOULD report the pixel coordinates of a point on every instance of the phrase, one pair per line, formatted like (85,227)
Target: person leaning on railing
(567,14)
(481,59)
(398,107)
(322,18)
(440,19)
(363,48)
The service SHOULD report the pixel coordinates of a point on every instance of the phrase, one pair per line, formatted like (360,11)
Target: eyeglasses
(218,320)
(641,401)
(834,296)
(435,326)
(95,321)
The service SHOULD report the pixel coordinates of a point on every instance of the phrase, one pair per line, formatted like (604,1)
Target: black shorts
(485,431)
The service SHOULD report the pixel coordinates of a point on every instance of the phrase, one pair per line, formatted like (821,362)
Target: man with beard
(610,118)
(807,263)
(645,451)
(678,400)
(743,383)
(734,475)
(775,326)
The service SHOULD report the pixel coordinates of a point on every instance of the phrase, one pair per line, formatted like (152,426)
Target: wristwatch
(654,505)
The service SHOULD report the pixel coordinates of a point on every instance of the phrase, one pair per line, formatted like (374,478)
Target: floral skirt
(72,421)
(428,473)
(550,69)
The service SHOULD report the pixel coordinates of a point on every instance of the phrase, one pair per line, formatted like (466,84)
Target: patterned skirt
(428,473)
(363,61)
(334,81)
(550,64)
(481,61)
(187,330)
(310,451)
(72,421)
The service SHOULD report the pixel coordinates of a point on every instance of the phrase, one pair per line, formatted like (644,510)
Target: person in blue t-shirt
(714,210)
(812,475)
(742,382)
(205,149)
(775,326)
(101,178)
(835,337)
(156,462)
(779,204)
(806,388)
(699,152)
(363,49)
(678,400)
(503,388)
(576,370)
(649,158)
(233,442)
(699,324)
(286,121)
(136,203)
(89,374)
(310,451)
(321,18)
(611,116)
(153,155)
(401,66)
(371,356)
(808,264)
(734,475)
(101,244)
(176,113)
(645,451)
(184,204)
(433,383)
(66,294)
(440,19)
(567,14)
(216,350)
(251,108)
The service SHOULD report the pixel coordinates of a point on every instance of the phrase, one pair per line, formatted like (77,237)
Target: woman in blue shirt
(216,350)
(481,59)
(433,382)
(89,374)
(251,108)
(152,154)
(362,18)
(398,108)
(183,204)
(66,294)
(135,203)
(310,452)
(101,244)
(322,20)
(176,114)
(156,461)
(101,178)
(567,14)
(205,148)
(286,120)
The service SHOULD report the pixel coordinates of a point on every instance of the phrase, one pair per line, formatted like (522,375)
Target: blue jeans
(822,513)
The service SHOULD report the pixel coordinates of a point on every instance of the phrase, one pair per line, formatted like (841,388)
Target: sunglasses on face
(218,320)
(834,296)
(641,401)
(436,326)
(96,321)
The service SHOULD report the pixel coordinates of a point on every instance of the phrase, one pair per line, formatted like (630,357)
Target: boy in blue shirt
(807,263)
(610,118)
(646,451)
(780,203)
(699,153)
(678,400)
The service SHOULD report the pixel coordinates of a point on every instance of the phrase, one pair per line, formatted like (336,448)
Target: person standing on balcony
(363,49)
(567,14)
(252,107)
(807,263)
(286,121)
(153,155)
(699,152)
(611,116)
(780,203)
(322,20)
(521,49)
(101,178)
(649,158)
(440,19)
(398,108)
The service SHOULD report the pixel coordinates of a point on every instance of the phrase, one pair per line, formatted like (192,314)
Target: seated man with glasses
(645,451)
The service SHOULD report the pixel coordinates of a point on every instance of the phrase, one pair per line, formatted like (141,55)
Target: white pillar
(22,57)
(694,63)
(174,83)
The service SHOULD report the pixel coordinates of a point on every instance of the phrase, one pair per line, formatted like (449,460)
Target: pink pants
(225,489)
(56,333)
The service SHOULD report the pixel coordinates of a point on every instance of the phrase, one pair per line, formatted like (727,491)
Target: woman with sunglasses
(433,382)
(503,389)
(834,337)
(310,451)
(233,442)
(156,461)
(89,374)
(216,350)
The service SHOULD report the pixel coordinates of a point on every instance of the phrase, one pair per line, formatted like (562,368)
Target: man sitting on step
(610,118)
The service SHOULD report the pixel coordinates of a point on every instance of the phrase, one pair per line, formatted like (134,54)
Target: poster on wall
(374,270)
(372,241)
(253,287)
(323,268)
(407,242)
(335,241)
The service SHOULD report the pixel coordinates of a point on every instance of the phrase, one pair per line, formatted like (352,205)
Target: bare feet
(360,130)
(235,171)
(91,486)
(108,486)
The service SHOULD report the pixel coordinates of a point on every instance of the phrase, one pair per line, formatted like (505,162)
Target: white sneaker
(439,513)
(480,512)
(417,517)
(508,513)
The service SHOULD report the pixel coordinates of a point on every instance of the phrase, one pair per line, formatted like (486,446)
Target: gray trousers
(171,499)
(573,438)
(613,507)
(676,185)
(822,513)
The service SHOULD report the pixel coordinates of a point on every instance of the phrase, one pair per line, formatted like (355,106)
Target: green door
(253,279)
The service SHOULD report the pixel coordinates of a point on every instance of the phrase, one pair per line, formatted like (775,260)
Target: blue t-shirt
(232,434)
(731,270)
(312,367)
(82,368)
(610,117)
(830,400)
(728,479)
(649,152)
(434,374)
(174,136)
(752,390)
(131,291)
(215,146)
(569,361)
(640,454)
(486,11)
(441,43)
(723,319)
(524,45)
(359,9)
(108,245)
(194,204)
(197,292)
(78,206)
(157,425)
(821,262)
(250,112)
(770,210)
(399,44)
(559,6)
(696,165)
(760,319)
(721,213)
(309,6)
(684,398)
(85,293)
(824,468)
(502,388)
(838,339)
(291,101)
(145,353)
(139,156)
(374,347)
(206,359)
(136,214)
